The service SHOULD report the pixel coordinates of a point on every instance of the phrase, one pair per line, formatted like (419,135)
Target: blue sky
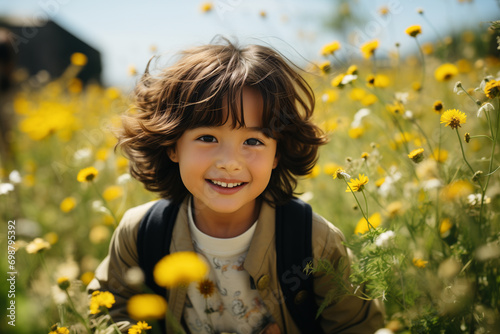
(124,30)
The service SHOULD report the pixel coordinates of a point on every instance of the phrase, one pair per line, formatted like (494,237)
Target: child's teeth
(225,185)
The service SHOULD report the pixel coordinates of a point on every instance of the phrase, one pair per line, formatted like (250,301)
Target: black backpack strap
(153,239)
(293,253)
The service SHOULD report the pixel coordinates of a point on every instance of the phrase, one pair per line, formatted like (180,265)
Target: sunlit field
(410,175)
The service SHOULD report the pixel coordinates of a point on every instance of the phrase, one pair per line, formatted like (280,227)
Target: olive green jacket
(348,315)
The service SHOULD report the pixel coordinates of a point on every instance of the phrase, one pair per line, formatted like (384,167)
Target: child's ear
(172,154)
(275,162)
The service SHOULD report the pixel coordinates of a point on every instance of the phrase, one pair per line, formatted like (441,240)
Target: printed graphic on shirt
(225,302)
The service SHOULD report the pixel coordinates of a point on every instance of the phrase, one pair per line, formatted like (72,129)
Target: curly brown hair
(190,94)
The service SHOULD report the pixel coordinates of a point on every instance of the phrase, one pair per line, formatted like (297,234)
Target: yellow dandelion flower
(353,70)
(48,118)
(419,263)
(454,118)
(357,94)
(417,155)
(467,137)
(445,227)
(396,108)
(457,190)
(206,7)
(329,168)
(368,49)
(370,80)
(381,81)
(63,283)
(99,234)
(492,89)
(329,125)
(51,237)
(337,81)
(427,48)
(206,288)
(403,137)
(67,204)
(365,155)
(369,99)
(357,184)
(263,14)
(78,59)
(414,30)
(445,72)
(325,67)
(121,163)
(356,132)
(440,155)
(87,174)
(146,306)
(330,49)
(384,10)
(87,277)
(438,106)
(54,329)
(112,192)
(29,180)
(37,245)
(315,171)
(416,86)
(132,70)
(340,174)
(139,327)
(379,182)
(113,93)
(330,95)
(101,154)
(179,268)
(362,225)
(464,66)
(101,299)
(394,209)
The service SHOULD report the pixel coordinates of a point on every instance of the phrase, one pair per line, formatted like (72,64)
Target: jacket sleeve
(346,313)
(111,274)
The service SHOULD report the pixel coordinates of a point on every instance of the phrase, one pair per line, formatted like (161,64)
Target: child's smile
(226,169)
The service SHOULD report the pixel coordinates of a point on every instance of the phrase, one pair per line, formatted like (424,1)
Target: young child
(224,133)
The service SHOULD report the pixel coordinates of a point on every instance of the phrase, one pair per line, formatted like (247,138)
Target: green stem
(366,202)
(359,205)
(494,135)
(423,63)
(72,305)
(425,135)
(485,136)
(472,170)
(463,153)
(467,93)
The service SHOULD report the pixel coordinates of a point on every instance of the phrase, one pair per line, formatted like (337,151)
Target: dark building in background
(48,46)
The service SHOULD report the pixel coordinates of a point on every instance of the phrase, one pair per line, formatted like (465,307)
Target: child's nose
(229,159)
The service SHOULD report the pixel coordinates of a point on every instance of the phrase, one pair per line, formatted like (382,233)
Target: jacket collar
(257,260)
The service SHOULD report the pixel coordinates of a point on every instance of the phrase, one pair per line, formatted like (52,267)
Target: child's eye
(253,142)
(207,139)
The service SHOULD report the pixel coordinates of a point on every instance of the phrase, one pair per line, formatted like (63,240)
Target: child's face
(226,169)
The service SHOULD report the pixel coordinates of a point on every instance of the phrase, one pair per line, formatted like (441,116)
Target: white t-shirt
(225,302)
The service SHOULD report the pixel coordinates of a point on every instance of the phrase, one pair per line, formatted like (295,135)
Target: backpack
(293,252)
